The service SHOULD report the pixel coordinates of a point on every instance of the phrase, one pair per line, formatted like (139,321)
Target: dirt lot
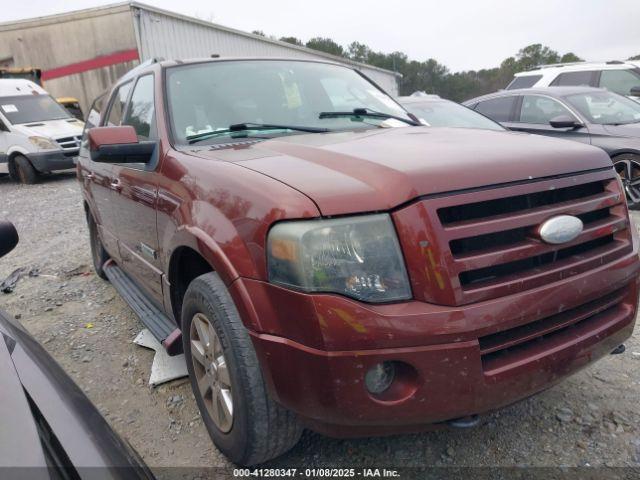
(591,419)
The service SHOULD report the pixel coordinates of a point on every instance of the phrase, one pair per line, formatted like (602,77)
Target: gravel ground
(592,419)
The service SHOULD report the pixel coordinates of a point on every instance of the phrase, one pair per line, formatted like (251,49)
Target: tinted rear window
(498,109)
(574,79)
(524,82)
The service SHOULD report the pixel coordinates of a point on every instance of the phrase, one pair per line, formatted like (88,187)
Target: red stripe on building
(86,65)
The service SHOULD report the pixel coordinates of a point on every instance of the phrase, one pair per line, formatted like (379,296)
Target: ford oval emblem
(560,229)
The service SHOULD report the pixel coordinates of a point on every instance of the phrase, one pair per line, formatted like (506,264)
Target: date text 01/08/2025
(316,472)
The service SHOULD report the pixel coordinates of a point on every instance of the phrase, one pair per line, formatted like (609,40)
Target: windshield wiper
(367,112)
(240,127)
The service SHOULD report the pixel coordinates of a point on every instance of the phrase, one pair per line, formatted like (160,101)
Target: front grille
(511,205)
(504,350)
(69,143)
(484,244)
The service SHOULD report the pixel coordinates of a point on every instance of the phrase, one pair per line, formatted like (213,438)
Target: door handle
(116,185)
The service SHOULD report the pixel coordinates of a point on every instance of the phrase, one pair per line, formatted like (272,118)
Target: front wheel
(25,171)
(243,421)
(628,168)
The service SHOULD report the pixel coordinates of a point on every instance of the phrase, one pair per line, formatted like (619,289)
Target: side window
(619,81)
(574,79)
(498,109)
(116,110)
(93,116)
(141,114)
(524,81)
(540,110)
(93,120)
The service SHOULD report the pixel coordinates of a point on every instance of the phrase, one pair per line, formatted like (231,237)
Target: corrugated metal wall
(55,41)
(173,37)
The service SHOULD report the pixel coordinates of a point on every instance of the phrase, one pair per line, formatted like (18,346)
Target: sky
(461,34)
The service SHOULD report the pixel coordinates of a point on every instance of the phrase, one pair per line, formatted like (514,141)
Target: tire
(259,429)
(628,167)
(25,171)
(99,255)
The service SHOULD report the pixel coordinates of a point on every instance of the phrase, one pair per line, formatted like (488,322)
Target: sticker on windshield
(9,108)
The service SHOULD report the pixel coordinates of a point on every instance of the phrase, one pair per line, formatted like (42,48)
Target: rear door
(534,112)
(137,195)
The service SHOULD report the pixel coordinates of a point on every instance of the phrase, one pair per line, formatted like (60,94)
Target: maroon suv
(323,262)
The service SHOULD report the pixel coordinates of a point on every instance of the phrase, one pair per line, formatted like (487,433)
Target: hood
(375,170)
(629,130)
(51,128)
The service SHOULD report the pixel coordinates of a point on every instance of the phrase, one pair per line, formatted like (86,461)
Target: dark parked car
(329,264)
(435,111)
(583,114)
(48,428)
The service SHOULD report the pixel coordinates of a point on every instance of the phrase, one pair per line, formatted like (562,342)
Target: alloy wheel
(211,371)
(629,172)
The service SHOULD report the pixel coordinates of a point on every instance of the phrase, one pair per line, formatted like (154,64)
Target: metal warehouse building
(82,53)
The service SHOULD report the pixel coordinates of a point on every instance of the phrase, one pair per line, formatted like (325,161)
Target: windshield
(213,96)
(32,108)
(606,108)
(450,114)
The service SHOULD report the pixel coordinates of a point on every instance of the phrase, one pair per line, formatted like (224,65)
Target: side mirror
(635,91)
(564,121)
(118,145)
(3,127)
(8,238)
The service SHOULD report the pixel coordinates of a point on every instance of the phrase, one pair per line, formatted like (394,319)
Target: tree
(533,55)
(358,52)
(326,45)
(292,40)
(571,57)
(637,57)
(259,32)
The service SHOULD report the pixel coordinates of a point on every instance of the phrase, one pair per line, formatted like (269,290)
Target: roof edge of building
(280,43)
(65,16)
(129,5)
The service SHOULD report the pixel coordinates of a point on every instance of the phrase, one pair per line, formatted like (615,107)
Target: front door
(136,201)
(536,111)
(97,178)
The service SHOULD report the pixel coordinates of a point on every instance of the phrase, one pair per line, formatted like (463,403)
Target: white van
(37,134)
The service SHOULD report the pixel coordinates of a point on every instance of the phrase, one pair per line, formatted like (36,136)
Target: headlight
(358,256)
(43,143)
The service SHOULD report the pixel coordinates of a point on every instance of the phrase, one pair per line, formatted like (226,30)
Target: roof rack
(566,64)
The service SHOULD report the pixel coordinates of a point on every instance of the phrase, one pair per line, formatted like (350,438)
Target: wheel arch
(185,265)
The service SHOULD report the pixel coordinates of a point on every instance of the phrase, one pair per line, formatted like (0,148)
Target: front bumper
(319,372)
(54,160)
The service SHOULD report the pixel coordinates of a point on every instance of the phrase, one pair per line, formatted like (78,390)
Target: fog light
(380,377)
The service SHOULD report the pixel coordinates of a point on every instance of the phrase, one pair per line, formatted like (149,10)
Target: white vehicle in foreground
(37,134)
(616,76)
